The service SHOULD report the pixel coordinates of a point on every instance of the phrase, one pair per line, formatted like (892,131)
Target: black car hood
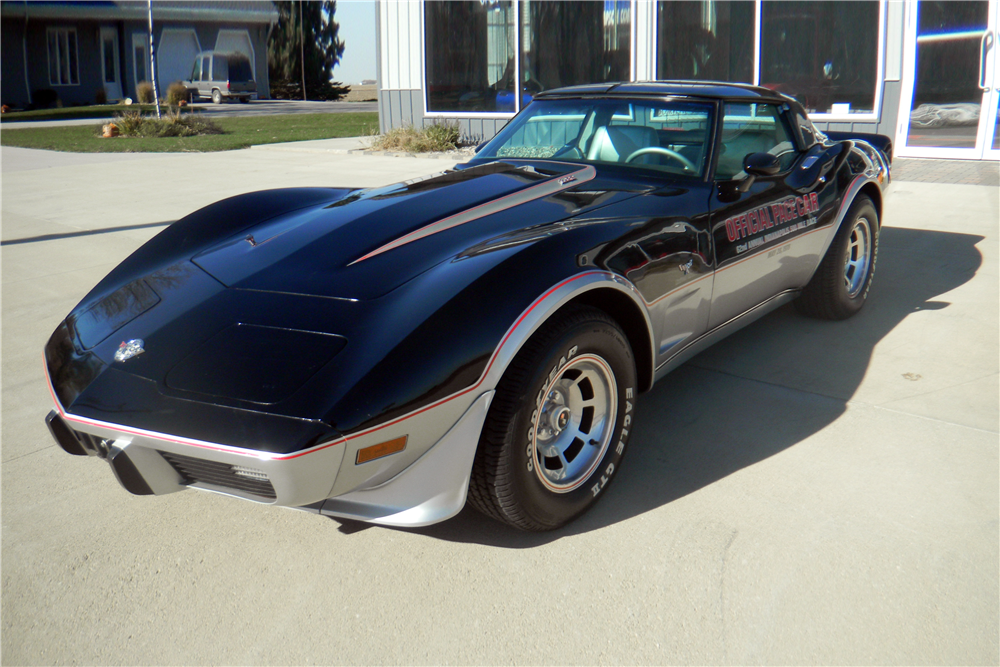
(371,241)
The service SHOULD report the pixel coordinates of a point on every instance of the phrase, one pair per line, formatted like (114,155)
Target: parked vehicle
(385,354)
(221,76)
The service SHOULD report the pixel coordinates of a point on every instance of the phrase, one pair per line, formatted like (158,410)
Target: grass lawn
(68,113)
(240,132)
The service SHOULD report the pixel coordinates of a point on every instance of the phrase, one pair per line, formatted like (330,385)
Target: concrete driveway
(805,492)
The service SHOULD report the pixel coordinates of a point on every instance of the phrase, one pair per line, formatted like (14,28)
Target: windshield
(671,137)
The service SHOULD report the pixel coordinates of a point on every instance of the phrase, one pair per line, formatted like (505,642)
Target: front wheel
(556,431)
(839,288)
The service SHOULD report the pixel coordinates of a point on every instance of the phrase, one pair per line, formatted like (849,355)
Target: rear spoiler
(879,141)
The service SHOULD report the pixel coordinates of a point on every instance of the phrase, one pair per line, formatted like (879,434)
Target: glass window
(110,59)
(710,40)
(62,52)
(140,62)
(571,43)
(220,68)
(753,128)
(664,136)
(822,53)
(239,69)
(469,55)
(947,99)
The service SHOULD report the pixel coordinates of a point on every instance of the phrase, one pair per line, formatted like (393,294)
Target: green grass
(240,132)
(69,113)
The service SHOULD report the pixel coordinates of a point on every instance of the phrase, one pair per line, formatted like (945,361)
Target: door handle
(985,44)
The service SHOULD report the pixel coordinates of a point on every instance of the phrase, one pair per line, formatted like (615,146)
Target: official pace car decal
(754,225)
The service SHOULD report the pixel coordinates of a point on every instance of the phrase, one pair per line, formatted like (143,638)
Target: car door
(205,78)
(764,238)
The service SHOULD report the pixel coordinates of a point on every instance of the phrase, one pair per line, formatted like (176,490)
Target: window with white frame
(64,69)
(470,56)
(709,39)
(822,53)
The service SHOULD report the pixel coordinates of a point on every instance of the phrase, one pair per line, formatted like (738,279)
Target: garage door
(175,55)
(236,40)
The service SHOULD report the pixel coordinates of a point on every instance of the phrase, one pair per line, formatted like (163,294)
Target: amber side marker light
(380,450)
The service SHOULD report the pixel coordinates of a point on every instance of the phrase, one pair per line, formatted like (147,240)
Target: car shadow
(711,417)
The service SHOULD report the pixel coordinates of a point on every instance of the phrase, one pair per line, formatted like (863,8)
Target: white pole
(302,52)
(152,59)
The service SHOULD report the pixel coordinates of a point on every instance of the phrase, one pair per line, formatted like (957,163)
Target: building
(924,72)
(78,52)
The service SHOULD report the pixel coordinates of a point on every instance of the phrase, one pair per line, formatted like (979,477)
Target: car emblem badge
(567,179)
(130,349)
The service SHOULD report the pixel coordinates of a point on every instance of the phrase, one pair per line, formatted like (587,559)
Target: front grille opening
(239,478)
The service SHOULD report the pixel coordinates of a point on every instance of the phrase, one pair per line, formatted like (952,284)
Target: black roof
(693,88)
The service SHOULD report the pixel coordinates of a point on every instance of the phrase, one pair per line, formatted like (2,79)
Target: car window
(239,69)
(671,137)
(753,128)
(196,70)
(220,70)
(205,72)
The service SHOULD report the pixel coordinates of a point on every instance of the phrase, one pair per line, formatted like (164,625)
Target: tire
(216,96)
(840,286)
(558,425)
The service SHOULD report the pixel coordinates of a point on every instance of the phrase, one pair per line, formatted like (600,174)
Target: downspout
(24,51)
(378,65)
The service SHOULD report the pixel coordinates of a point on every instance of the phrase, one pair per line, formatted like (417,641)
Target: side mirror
(758,164)
(761,164)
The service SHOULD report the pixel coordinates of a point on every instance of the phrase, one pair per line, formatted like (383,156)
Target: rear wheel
(216,96)
(839,288)
(558,424)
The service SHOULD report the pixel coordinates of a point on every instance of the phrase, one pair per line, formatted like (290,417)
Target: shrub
(144,92)
(176,92)
(45,98)
(129,123)
(187,125)
(175,124)
(284,89)
(444,135)
(437,137)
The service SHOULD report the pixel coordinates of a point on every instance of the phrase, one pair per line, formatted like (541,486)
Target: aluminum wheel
(574,424)
(859,252)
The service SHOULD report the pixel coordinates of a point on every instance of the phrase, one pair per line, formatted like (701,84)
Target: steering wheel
(688,165)
(568,150)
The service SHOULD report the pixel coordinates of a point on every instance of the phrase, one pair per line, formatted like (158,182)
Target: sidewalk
(967,172)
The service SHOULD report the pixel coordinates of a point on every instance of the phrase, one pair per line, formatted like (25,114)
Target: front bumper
(425,483)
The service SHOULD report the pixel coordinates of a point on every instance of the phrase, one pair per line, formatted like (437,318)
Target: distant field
(362,94)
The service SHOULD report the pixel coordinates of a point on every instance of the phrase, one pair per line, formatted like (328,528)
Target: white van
(221,76)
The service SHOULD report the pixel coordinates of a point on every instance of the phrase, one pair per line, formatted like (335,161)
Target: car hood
(368,243)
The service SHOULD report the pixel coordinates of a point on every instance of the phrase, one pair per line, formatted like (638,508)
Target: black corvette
(480,334)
